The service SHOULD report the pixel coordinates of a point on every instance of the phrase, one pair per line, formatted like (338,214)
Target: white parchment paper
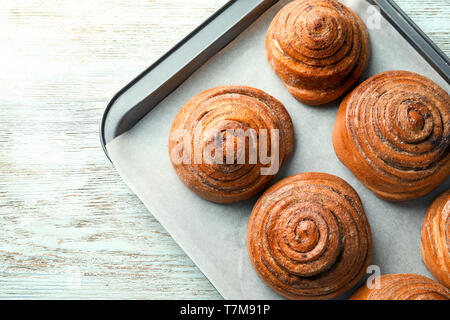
(213,235)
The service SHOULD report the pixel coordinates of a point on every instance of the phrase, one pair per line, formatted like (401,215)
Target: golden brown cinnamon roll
(227,143)
(319,48)
(308,237)
(393,133)
(436,239)
(403,287)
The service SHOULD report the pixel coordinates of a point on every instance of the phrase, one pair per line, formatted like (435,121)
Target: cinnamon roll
(308,237)
(403,287)
(393,133)
(436,239)
(319,48)
(227,143)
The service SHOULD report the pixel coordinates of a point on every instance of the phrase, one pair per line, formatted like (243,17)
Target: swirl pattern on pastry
(436,239)
(393,133)
(403,287)
(319,48)
(207,119)
(308,237)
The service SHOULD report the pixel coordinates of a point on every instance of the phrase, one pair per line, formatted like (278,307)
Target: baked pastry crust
(219,110)
(308,237)
(435,240)
(319,48)
(403,287)
(393,133)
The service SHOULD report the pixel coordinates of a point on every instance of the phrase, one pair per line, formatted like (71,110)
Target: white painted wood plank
(70,228)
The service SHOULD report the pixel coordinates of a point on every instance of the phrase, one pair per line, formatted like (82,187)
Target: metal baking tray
(188,60)
(155,83)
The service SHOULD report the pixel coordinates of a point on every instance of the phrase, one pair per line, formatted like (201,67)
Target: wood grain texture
(70,228)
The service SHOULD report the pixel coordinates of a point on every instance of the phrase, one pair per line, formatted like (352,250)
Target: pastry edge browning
(437,260)
(287,130)
(368,254)
(347,152)
(319,96)
(400,282)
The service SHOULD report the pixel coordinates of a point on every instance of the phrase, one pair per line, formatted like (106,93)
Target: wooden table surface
(69,226)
